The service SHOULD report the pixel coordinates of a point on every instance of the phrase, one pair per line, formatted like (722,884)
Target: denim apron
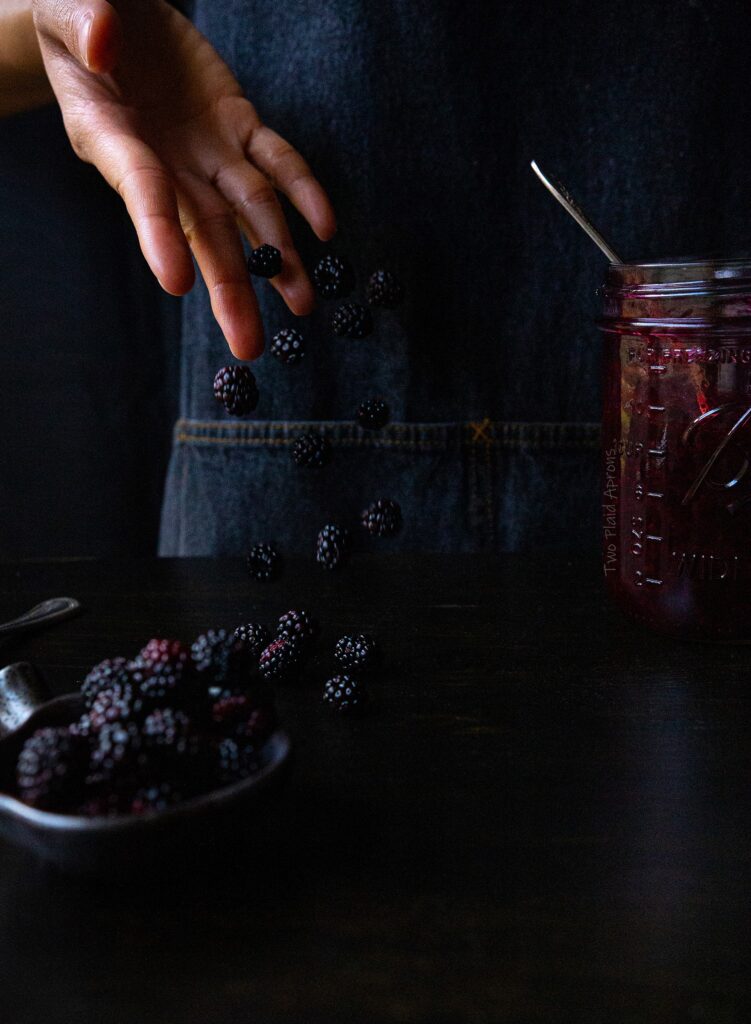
(420,119)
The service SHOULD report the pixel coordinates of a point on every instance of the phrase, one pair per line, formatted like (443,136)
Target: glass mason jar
(676,501)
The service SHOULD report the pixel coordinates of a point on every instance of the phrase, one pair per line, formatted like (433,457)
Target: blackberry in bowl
(121,791)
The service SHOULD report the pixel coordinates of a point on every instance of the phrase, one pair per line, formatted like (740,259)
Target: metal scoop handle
(52,610)
(567,201)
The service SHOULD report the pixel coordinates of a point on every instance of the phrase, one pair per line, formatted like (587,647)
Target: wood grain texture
(544,819)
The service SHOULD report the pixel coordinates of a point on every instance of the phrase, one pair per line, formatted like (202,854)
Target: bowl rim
(279,744)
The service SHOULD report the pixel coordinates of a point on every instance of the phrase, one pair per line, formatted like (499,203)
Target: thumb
(88,29)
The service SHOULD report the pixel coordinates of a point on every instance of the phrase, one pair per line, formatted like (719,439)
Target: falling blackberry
(357,653)
(311,450)
(235,387)
(254,635)
(345,693)
(52,767)
(333,278)
(332,546)
(265,261)
(352,320)
(373,414)
(288,345)
(280,660)
(263,562)
(383,518)
(299,627)
(385,289)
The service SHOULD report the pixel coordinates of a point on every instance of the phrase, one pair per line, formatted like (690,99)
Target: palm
(170,130)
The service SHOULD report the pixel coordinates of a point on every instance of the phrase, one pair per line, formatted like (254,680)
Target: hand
(148,101)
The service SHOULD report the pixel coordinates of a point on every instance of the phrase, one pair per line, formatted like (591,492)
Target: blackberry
(175,750)
(230,711)
(265,261)
(358,653)
(260,724)
(280,660)
(110,672)
(373,414)
(262,562)
(235,760)
(254,635)
(352,320)
(383,518)
(102,805)
(156,796)
(52,767)
(166,729)
(117,762)
(332,546)
(298,627)
(164,672)
(122,702)
(333,278)
(311,450)
(288,345)
(238,716)
(225,661)
(235,387)
(385,289)
(345,693)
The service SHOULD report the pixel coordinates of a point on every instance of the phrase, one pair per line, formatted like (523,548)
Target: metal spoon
(567,201)
(52,610)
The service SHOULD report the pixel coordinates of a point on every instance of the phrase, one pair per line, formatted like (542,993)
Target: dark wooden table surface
(545,818)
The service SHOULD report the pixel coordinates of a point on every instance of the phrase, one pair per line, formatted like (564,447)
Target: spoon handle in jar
(567,201)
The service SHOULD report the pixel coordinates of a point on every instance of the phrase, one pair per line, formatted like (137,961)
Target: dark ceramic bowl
(85,844)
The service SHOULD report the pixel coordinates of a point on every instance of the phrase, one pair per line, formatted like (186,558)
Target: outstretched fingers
(211,230)
(256,207)
(289,173)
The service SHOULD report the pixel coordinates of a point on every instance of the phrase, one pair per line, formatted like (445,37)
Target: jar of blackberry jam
(676,501)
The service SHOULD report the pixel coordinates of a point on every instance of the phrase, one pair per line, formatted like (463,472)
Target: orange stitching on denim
(480,432)
(416,437)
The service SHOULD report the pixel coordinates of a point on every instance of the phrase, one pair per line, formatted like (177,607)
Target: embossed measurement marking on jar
(646,530)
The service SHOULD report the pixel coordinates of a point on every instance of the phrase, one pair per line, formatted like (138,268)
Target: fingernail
(84,34)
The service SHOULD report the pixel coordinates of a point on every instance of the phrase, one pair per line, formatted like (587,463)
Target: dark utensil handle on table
(52,610)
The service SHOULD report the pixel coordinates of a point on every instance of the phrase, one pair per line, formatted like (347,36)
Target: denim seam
(343,433)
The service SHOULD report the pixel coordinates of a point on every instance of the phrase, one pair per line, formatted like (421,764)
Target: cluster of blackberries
(168,725)
(382,518)
(359,657)
(335,279)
